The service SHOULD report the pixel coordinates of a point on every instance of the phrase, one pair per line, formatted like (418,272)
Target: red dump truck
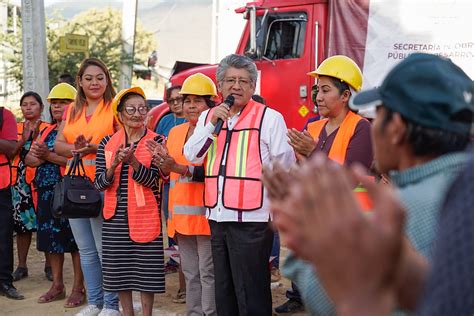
(289,38)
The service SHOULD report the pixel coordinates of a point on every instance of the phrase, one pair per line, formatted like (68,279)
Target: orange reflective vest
(142,208)
(100,125)
(30,171)
(5,168)
(30,176)
(187,214)
(5,171)
(338,149)
(242,188)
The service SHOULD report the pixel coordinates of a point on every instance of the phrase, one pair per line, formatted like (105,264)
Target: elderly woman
(132,244)
(187,218)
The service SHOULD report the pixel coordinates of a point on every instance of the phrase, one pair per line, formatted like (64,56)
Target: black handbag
(75,195)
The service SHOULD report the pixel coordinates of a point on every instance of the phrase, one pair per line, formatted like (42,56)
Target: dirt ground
(36,284)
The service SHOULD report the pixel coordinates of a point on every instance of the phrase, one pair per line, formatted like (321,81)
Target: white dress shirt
(273,147)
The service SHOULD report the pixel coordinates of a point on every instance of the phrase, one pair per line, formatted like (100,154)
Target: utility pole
(35,58)
(129,22)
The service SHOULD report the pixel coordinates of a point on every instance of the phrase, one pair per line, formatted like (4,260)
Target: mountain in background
(68,9)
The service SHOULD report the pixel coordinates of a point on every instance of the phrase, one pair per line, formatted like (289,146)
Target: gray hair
(239,62)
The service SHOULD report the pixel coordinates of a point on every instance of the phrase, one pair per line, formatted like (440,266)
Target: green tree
(103,27)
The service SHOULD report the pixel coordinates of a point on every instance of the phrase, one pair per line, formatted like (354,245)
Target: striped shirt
(127,265)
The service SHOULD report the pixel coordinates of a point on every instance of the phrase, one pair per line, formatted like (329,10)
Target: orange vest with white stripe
(242,188)
(30,171)
(100,125)
(187,214)
(142,208)
(338,149)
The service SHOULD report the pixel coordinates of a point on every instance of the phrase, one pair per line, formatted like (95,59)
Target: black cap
(426,89)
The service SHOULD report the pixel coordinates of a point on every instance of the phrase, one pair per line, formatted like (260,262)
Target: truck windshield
(281,36)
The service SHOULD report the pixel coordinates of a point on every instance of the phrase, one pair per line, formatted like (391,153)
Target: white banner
(399,28)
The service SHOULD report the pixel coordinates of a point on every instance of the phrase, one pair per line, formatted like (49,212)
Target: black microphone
(229,101)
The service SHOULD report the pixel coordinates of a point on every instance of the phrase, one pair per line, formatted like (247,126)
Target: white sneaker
(89,310)
(109,312)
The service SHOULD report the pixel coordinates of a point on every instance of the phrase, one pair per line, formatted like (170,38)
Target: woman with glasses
(176,116)
(132,244)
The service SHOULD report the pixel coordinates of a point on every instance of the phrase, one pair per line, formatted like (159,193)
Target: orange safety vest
(142,208)
(100,125)
(187,214)
(242,188)
(5,171)
(30,176)
(30,172)
(338,149)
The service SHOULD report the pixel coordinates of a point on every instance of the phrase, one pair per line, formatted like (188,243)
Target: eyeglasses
(131,110)
(177,100)
(243,82)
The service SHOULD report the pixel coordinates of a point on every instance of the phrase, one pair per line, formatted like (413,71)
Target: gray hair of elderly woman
(239,62)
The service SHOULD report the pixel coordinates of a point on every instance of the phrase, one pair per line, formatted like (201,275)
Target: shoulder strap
(46,131)
(343,137)
(314,128)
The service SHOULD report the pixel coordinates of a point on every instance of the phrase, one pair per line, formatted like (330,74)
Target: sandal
(53,294)
(76,298)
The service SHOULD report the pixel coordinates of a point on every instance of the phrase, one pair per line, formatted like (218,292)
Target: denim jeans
(88,235)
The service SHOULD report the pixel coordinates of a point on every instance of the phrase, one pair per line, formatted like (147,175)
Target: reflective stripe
(86,162)
(139,194)
(242,151)
(211,158)
(189,210)
(360,188)
(182,179)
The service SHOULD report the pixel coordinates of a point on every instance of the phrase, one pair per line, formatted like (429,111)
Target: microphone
(229,101)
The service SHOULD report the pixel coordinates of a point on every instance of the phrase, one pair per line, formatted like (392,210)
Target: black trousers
(240,252)
(6,236)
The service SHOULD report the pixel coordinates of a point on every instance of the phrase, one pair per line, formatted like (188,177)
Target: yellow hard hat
(63,91)
(199,84)
(340,67)
(120,95)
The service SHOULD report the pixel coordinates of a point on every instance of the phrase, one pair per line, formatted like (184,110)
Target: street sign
(73,43)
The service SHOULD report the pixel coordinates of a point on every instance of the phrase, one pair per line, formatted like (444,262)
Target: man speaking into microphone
(252,136)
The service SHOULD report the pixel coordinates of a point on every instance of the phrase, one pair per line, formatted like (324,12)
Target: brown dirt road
(36,284)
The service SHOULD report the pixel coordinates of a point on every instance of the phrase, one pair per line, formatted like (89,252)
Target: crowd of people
(373,197)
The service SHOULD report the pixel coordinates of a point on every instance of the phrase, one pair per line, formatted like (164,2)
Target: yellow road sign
(303,110)
(73,43)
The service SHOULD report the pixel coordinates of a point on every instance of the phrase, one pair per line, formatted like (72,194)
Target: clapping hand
(356,255)
(40,150)
(83,146)
(30,130)
(302,142)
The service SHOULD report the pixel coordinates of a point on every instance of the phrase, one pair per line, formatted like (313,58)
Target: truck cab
(286,40)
